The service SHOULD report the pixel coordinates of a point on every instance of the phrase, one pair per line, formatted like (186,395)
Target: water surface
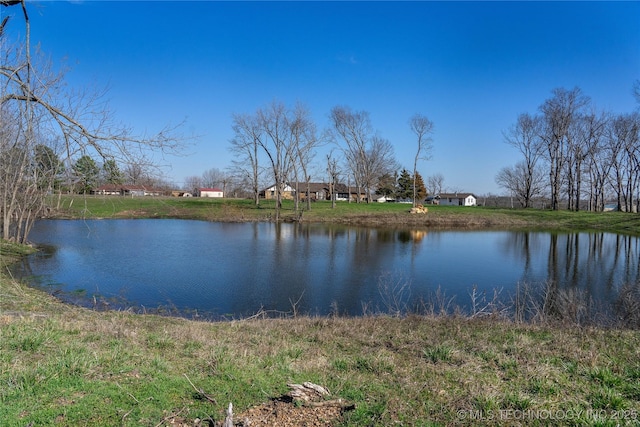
(237,269)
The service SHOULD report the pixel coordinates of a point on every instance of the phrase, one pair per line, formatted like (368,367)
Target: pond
(232,270)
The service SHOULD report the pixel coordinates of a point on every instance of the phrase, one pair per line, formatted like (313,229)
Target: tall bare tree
(525,137)
(422,127)
(624,154)
(333,170)
(589,130)
(277,146)
(559,112)
(367,156)
(354,129)
(304,141)
(379,161)
(246,143)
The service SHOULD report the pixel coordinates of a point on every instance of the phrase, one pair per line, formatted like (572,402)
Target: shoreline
(370,215)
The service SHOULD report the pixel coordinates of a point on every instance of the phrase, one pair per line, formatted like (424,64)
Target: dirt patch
(289,414)
(278,412)
(303,406)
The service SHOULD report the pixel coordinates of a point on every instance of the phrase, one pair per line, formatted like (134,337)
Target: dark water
(222,269)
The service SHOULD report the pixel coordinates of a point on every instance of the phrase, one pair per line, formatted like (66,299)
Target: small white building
(209,192)
(457,199)
(384,199)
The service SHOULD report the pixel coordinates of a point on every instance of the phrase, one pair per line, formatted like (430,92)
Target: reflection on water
(218,269)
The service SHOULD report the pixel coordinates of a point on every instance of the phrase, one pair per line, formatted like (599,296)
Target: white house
(209,192)
(457,199)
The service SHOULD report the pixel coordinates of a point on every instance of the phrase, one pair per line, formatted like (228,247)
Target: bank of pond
(212,270)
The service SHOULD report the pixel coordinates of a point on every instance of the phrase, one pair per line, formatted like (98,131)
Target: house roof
(210,189)
(458,195)
(109,187)
(314,187)
(134,188)
(342,188)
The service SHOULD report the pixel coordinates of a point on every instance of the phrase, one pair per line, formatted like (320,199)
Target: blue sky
(471,67)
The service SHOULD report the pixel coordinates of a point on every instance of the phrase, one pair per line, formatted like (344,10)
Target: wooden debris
(228,421)
(419,209)
(307,392)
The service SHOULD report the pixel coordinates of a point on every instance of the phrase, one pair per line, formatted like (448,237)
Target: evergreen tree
(387,185)
(48,167)
(87,172)
(404,185)
(112,173)
(421,190)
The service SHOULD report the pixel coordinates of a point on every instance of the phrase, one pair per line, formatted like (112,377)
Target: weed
(395,292)
(515,401)
(604,376)
(485,403)
(439,353)
(607,399)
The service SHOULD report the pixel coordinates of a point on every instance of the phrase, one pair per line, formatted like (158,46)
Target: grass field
(374,214)
(62,365)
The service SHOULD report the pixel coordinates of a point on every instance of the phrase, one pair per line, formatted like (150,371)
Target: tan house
(270,192)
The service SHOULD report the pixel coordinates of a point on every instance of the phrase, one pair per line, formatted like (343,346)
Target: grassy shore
(373,214)
(69,366)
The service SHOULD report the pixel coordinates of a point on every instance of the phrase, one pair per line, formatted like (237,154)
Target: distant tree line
(279,145)
(575,156)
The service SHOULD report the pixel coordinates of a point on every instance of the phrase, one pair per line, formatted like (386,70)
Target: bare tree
(525,137)
(139,172)
(559,112)
(368,156)
(215,177)
(334,172)
(522,183)
(422,127)
(354,128)
(35,99)
(246,143)
(435,184)
(379,161)
(303,143)
(624,155)
(192,183)
(277,146)
(588,133)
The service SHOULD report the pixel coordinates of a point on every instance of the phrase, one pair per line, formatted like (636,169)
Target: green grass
(375,214)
